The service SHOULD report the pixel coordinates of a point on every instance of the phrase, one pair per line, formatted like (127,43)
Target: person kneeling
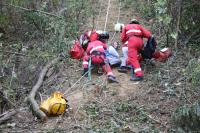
(95,50)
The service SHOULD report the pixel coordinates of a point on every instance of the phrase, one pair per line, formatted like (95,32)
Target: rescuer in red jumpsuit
(134,34)
(95,50)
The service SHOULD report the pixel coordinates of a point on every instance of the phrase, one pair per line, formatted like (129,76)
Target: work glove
(85,72)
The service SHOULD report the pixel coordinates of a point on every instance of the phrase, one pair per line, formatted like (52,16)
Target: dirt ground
(145,101)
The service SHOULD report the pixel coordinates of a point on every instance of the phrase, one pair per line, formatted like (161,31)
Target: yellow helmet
(55,105)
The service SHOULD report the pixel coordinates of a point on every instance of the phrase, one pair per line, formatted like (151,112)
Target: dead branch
(10,52)
(26,9)
(31,98)
(7,115)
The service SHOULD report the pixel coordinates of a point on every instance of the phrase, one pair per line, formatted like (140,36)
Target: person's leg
(133,59)
(124,56)
(108,70)
(101,60)
(123,60)
(85,65)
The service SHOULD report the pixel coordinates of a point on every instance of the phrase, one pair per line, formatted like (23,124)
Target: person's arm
(104,46)
(89,48)
(146,33)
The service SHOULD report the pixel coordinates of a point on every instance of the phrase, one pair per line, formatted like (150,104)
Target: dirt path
(143,100)
(124,87)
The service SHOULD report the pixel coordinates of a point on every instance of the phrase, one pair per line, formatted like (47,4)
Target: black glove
(85,72)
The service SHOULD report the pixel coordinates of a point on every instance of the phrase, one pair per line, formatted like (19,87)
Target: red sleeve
(104,45)
(146,33)
(88,49)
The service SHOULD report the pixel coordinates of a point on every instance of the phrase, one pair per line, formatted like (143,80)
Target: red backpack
(77,51)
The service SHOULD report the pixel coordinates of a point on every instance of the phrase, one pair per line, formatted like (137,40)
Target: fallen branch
(31,98)
(7,115)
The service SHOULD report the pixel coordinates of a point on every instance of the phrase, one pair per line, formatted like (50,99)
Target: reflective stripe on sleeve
(126,43)
(110,73)
(137,70)
(164,49)
(89,33)
(133,31)
(95,48)
(85,63)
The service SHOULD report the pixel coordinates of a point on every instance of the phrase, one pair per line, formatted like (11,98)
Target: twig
(7,115)
(191,35)
(157,121)
(6,98)
(76,113)
(10,52)
(26,9)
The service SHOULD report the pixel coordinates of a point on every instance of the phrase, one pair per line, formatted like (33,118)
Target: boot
(112,79)
(85,72)
(122,69)
(136,78)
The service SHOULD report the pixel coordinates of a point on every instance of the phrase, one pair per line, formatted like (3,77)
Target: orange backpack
(77,52)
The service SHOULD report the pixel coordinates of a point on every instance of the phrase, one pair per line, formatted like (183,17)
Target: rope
(75,83)
(107,15)
(119,13)
(88,72)
(90,69)
(97,25)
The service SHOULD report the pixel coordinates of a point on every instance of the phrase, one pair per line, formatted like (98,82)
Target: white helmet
(118,27)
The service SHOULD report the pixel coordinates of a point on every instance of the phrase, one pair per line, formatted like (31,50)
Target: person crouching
(95,50)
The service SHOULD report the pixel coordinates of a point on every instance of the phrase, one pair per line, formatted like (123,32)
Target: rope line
(75,83)
(119,13)
(97,25)
(107,16)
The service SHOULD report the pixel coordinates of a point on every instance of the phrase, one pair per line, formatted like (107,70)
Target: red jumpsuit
(134,33)
(92,35)
(96,50)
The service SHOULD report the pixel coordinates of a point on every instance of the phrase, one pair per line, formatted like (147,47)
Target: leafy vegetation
(175,24)
(188,116)
(42,30)
(34,32)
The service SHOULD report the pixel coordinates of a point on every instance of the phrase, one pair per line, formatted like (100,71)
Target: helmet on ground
(118,27)
(134,21)
(54,105)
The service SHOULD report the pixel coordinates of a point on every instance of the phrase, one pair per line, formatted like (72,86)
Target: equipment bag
(149,48)
(77,52)
(55,105)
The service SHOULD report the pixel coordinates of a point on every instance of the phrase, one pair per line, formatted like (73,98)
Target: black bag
(149,48)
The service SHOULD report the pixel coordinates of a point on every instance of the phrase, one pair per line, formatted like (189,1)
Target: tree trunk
(178,23)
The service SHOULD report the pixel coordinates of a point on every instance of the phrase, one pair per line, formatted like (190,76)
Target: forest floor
(98,106)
